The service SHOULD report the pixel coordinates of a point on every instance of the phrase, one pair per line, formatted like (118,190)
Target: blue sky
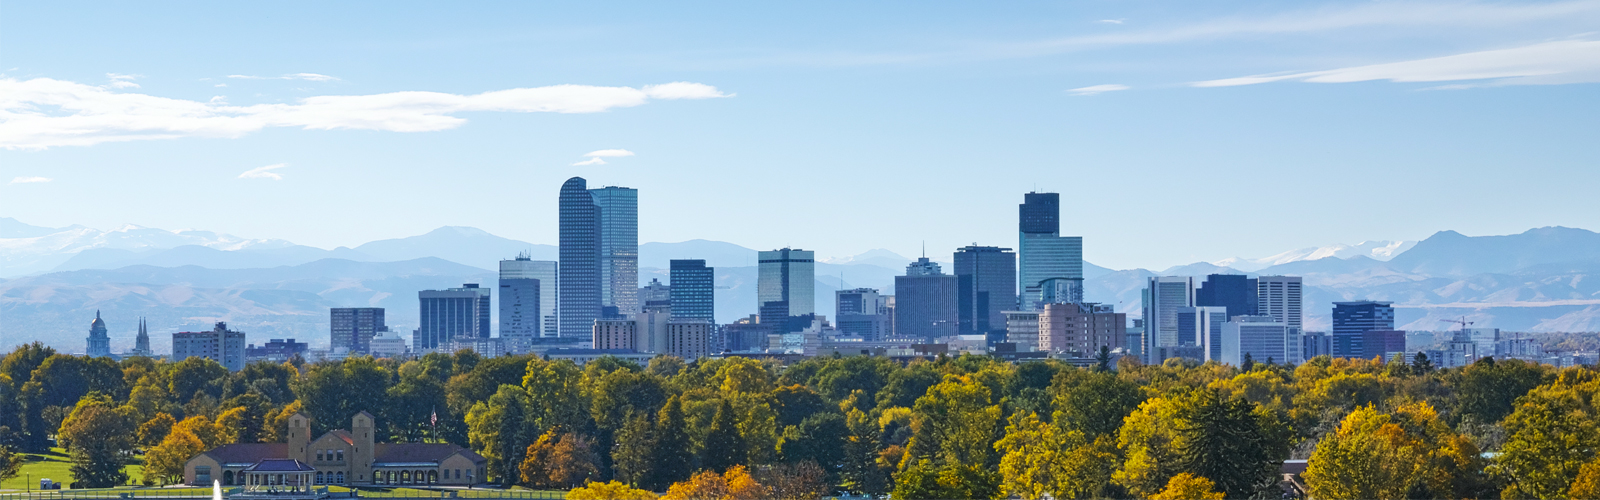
(1207,129)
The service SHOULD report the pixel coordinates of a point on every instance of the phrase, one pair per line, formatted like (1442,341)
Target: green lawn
(54,465)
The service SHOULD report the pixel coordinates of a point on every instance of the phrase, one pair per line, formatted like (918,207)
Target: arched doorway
(227,477)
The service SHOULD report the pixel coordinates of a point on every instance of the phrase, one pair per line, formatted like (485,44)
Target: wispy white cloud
(592,161)
(264,172)
(610,153)
(1110,21)
(1571,61)
(1096,89)
(119,81)
(43,112)
(293,76)
(29,180)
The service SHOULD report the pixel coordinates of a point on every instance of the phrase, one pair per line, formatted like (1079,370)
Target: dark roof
(248,452)
(420,452)
(279,465)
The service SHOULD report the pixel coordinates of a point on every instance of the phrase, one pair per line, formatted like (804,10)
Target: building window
(319,478)
(340,454)
(319,455)
(202,474)
(340,476)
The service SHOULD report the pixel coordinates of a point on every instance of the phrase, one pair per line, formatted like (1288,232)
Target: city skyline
(1102,102)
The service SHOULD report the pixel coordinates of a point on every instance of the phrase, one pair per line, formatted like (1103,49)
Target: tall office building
(655,291)
(141,344)
(446,315)
(927,302)
(619,247)
(688,338)
(693,293)
(1487,340)
(1163,297)
(785,288)
(539,317)
(861,311)
(1042,252)
(579,283)
(99,341)
(352,328)
(1202,326)
(988,280)
(1263,338)
(1280,297)
(1236,292)
(617,334)
(1351,321)
(222,345)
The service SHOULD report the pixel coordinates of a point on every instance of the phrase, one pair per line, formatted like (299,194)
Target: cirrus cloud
(1096,89)
(264,172)
(599,157)
(1568,61)
(43,112)
(293,76)
(29,180)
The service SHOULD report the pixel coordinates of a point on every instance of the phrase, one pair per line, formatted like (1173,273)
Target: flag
(434,420)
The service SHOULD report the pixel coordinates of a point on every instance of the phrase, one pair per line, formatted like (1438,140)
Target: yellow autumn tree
(1188,486)
(1370,456)
(163,464)
(735,484)
(609,491)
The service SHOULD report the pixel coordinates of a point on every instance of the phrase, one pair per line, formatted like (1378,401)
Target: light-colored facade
(343,457)
(1021,327)
(222,345)
(1488,340)
(1081,329)
(1264,338)
(689,338)
(1202,326)
(615,334)
(99,342)
(388,345)
(1281,297)
(547,272)
(1163,297)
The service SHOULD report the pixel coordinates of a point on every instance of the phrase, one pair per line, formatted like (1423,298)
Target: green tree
(556,390)
(907,384)
(1227,441)
(415,399)
(10,462)
(499,430)
(99,439)
(1553,432)
(724,446)
(795,403)
(1093,402)
(862,472)
(955,422)
(1147,441)
(153,431)
(633,455)
(821,439)
(196,374)
(333,392)
(674,450)
(1488,389)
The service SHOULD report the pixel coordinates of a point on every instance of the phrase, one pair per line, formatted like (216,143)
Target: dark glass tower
(445,315)
(693,290)
(1040,213)
(1351,322)
(988,283)
(1233,291)
(580,260)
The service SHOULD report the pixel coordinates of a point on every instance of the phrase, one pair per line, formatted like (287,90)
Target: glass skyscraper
(988,284)
(785,285)
(1351,322)
(1043,254)
(619,247)
(693,290)
(599,264)
(1163,297)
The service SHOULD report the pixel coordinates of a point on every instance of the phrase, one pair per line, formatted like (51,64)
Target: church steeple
(99,342)
(141,346)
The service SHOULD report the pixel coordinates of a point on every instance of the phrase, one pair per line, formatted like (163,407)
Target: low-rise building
(341,457)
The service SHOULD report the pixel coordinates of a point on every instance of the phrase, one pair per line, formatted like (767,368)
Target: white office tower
(652,329)
(1262,337)
(1163,297)
(1488,340)
(546,271)
(619,247)
(1202,327)
(1043,254)
(1280,297)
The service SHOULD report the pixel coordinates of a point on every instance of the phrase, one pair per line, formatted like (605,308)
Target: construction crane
(1463,322)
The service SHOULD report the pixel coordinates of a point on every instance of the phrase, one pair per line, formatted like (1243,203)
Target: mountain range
(1545,279)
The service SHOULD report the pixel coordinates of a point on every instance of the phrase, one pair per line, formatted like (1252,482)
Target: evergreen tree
(1224,441)
(674,451)
(724,446)
(633,456)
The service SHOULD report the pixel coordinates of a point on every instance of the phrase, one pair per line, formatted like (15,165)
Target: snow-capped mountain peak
(1382,250)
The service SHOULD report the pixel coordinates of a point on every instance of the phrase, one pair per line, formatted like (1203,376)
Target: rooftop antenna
(924,249)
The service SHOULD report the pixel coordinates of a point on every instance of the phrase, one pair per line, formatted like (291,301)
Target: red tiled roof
(344,435)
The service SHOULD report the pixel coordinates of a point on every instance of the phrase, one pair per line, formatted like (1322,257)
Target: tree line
(948,427)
